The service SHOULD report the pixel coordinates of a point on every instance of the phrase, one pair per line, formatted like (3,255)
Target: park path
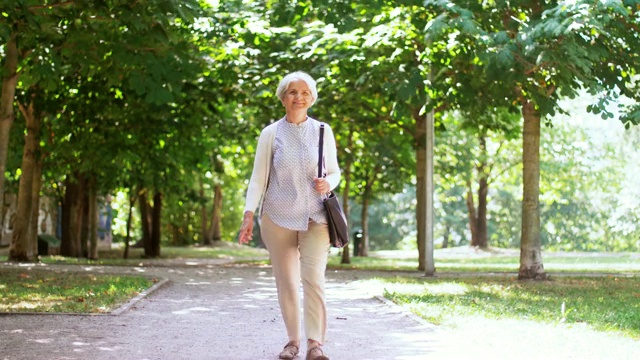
(210,310)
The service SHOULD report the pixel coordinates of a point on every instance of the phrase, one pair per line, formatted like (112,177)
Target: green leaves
(601,108)
(631,116)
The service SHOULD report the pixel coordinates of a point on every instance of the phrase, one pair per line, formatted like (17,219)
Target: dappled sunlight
(450,288)
(416,340)
(193,310)
(593,266)
(602,302)
(354,290)
(50,342)
(360,321)
(440,288)
(263,283)
(266,290)
(42,341)
(179,301)
(102,348)
(504,338)
(262,293)
(194,282)
(496,289)
(32,304)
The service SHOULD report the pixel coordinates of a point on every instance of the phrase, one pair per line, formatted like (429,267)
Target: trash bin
(357,241)
(48,245)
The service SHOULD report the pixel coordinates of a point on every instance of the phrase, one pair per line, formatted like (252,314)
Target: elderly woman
(293,220)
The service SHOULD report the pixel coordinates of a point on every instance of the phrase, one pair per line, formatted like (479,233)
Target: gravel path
(209,310)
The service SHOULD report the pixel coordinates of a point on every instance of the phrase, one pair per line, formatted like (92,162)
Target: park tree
(142,71)
(383,165)
(19,47)
(469,155)
(526,56)
(378,39)
(399,64)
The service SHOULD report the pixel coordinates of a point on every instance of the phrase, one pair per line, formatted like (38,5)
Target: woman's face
(297,97)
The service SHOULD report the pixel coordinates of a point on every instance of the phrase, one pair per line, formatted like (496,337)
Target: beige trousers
(299,255)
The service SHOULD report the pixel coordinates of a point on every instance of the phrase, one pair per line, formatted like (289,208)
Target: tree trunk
(421,187)
(478,216)
(364,243)
(35,207)
(145,221)
(86,221)
(204,218)
(447,235)
(155,225)
(482,239)
(531,266)
(471,211)
(72,212)
(9,83)
(215,229)
(93,219)
(346,259)
(21,248)
(127,239)
(9,77)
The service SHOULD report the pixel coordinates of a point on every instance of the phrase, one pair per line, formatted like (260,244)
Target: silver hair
(295,76)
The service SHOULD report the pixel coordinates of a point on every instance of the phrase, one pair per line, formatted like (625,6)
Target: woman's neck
(296,118)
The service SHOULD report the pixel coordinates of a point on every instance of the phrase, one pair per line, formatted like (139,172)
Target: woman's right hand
(246,229)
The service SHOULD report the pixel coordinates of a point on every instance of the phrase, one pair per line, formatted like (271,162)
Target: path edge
(129,304)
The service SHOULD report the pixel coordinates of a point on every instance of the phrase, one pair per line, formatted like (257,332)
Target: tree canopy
(164,100)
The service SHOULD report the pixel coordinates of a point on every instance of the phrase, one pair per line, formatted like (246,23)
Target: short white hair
(295,76)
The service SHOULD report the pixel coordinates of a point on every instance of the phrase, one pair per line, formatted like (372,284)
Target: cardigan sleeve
(260,174)
(331,158)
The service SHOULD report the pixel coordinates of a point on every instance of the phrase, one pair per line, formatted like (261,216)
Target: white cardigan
(264,155)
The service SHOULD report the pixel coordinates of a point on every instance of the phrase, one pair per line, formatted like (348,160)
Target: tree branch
(504,170)
(49,6)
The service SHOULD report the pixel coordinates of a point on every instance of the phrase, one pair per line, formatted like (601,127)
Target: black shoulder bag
(337,221)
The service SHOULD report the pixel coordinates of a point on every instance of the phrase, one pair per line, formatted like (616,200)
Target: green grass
(136,258)
(47,291)
(607,303)
(472,262)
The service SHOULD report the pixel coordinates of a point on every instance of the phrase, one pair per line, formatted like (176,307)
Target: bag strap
(320,150)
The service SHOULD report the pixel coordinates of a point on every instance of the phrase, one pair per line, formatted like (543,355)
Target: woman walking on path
(285,187)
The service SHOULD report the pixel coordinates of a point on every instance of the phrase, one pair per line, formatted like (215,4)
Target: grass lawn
(499,317)
(135,258)
(47,291)
(468,260)
(590,298)
(607,303)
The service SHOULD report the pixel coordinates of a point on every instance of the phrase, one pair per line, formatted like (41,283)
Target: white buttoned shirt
(285,166)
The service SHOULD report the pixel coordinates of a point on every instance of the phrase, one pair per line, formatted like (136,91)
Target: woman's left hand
(321,185)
